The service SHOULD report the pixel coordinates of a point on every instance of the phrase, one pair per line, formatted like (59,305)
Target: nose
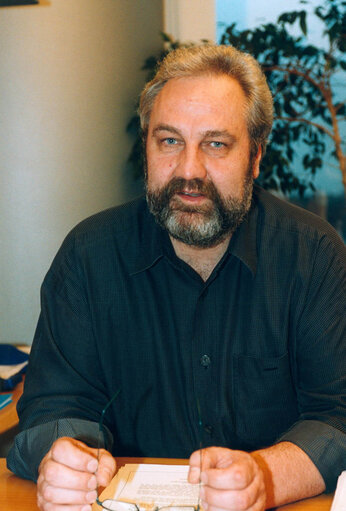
(191,165)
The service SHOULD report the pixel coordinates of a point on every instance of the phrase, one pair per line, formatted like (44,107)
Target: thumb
(106,468)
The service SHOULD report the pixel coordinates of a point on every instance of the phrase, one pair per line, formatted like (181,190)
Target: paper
(7,371)
(339,501)
(151,486)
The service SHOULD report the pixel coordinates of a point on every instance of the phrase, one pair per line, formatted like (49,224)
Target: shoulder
(106,236)
(295,242)
(293,222)
(115,221)
(113,225)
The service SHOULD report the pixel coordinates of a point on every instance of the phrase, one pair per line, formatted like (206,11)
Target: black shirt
(259,347)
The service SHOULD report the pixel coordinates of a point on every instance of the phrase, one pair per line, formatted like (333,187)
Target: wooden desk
(15,490)
(8,415)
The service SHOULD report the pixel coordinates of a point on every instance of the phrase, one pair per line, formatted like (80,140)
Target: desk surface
(13,489)
(8,414)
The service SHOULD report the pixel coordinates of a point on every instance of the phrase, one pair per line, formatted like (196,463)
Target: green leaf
(294,96)
(166,37)
(302,22)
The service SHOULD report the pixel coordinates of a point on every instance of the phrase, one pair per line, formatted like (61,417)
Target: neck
(202,260)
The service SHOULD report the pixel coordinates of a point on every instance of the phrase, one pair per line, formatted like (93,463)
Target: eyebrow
(219,133)
(166,127)
(206,134)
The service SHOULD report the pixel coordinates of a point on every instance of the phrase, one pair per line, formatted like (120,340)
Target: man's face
(199,174)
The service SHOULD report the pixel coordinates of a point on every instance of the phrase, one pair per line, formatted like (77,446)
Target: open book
(151,486)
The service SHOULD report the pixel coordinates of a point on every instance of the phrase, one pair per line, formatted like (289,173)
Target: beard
(204,225)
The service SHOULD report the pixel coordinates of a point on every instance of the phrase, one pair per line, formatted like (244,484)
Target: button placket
(204,334)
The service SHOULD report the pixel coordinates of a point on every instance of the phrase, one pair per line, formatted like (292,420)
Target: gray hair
(212,59)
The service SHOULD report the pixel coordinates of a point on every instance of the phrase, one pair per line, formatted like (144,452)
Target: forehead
(214,100)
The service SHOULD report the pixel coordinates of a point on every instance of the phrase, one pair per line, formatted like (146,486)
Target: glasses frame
(135,507)
(129,506)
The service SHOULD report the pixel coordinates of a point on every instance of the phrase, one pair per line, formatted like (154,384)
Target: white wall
(190,20)
(69,77)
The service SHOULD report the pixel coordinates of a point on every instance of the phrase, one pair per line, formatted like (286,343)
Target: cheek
(159,167)
(158,174)
(229,179)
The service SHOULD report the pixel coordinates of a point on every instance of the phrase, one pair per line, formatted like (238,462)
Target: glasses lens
(117,505)
(177,508)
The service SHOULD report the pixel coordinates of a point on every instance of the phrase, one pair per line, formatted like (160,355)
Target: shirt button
(205,361)
(208,429)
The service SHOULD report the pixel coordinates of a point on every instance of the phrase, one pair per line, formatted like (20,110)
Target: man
(216,304)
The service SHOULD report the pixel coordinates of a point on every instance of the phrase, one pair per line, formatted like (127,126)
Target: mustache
(179,184)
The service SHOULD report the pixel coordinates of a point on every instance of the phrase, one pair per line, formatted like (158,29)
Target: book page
(151,486)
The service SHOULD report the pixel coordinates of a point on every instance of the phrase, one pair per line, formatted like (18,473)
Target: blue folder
(10,355)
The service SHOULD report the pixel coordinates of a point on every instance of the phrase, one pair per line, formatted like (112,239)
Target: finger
(61,507)
(194,473)
(74,454)
(211,457)
(106,468)
(227,469)
(58,475)
(219,457)
(197,460)
(237,476)
(259,505)
(63,496)
(233,499)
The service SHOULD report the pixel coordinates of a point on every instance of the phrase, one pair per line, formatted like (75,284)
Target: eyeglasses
(118,505)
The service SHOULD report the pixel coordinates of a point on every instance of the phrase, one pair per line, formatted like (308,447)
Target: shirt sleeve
(324,444)
(64,392)
(31,445)
(319,367)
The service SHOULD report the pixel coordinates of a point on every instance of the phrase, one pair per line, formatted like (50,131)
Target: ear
(256,163)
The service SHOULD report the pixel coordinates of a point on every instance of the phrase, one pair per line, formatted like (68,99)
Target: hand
(70,474)
(232,480)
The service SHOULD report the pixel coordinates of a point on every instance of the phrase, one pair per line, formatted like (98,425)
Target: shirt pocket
(264,398)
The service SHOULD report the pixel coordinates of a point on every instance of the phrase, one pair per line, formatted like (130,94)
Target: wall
(191,20)
(69,77)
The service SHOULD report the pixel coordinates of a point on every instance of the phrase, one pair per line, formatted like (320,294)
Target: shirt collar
(151,246)
(243,244)
(155,242)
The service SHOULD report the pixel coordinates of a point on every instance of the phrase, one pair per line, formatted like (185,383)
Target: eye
(216,144)
(169,141)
